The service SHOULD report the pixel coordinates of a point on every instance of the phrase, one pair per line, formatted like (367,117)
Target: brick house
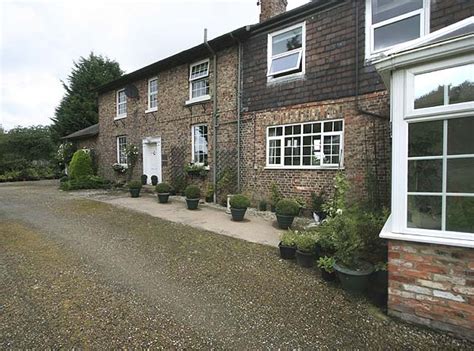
(289,101)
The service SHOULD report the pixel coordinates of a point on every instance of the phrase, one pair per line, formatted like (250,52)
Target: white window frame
(117,103)
(191,80)
(402,95)
(155,108)
(302,53)
(370,52)
(192,142)
(282,137)
(118,150)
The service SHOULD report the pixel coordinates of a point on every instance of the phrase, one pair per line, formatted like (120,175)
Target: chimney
(271,8)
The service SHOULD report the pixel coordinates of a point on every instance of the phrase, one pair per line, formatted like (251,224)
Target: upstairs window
(286,51)
(121,104)
(392,22)
(121,150)
(152,94)
(199,81)
(199,144)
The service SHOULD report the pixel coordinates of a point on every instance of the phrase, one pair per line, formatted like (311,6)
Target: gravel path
(79,273)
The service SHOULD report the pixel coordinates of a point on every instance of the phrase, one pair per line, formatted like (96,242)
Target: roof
(220,43)
(88,132)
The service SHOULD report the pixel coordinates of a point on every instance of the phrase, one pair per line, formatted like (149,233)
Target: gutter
(214,114)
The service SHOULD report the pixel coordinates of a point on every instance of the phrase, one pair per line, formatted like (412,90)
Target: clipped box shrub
(287,207)
(80,165)
(135,184)
(239,201)
(192,192)
(163,188)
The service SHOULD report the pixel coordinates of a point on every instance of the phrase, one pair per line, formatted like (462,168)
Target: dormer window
(393,22)
(286,52)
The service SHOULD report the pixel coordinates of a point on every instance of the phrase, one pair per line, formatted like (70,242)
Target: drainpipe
(238,102)
(214,114)
(356,68)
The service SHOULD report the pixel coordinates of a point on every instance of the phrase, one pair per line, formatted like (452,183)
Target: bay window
(392,22)
(433,166)
(286,51)
(305,145)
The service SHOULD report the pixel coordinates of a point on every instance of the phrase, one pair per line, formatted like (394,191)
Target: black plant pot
(262,207)
(163,197)
(273,208)
(329,277)
(305,259)
(135,192)
(144,179)
(238,214)
(287,252)
(378,287)
(192,204)
(284,222)
(355,281)
(154,180)
(209,198)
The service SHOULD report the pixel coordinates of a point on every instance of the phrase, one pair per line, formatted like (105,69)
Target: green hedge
(88,182)
(81,165)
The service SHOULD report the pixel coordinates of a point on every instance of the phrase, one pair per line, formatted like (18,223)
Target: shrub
(288,238)
(306,242)
(178,184)
(90,182)
(163,188)
(64,179)
(275,194)
(192,192)
(327,263)
(262,205)
(210,191)
(239,201)
(135,184)
(81,165)
(287,207)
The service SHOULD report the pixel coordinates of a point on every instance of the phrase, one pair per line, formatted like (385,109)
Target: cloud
(40,39)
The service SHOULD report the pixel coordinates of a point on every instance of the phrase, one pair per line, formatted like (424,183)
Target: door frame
(145,142)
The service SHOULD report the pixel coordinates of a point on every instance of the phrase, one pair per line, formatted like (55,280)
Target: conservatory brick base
(432,285)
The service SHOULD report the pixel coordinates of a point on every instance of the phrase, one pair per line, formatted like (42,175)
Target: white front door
(152,158)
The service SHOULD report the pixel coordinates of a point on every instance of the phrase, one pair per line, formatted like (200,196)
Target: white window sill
(307,168)
(198,100)
(387,233)
(154,109)
(119,117)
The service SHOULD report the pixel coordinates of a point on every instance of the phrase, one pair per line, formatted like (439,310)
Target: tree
(79,107)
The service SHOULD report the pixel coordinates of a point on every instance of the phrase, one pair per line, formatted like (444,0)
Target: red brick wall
(432,285)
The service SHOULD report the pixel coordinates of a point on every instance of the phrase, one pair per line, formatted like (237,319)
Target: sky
(40,39)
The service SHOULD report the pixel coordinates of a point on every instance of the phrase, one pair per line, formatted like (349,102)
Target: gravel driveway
(79,273)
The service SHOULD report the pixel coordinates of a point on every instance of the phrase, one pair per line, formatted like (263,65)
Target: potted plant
(154,180)
(287,244)
(326,265)
(144,179)
(275,196)
(210,193)
(163,190)
(286,210)
(238,207)
(305,244)
(134,187)
(262,205)
(193,194)
(353,272)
